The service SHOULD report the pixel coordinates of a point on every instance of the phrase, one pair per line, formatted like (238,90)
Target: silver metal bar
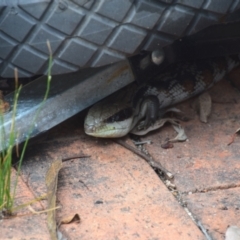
(69,94)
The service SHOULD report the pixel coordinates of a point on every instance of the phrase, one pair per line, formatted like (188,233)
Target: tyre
(93,33)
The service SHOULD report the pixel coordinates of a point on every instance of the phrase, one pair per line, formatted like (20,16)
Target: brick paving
(119,196)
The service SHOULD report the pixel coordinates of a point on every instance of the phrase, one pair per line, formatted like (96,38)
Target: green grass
(7,187)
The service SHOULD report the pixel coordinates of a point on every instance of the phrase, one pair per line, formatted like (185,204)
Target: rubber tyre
(93,33)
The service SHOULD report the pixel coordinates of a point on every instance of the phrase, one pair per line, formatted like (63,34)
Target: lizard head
(108,119)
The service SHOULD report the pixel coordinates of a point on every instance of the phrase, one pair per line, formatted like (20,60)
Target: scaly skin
(116,117)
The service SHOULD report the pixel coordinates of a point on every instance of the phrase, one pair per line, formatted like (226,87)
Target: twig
(152,162)
(75,157)
(142,142)
(234,136)
(232,139)
(64,159)
(204,231)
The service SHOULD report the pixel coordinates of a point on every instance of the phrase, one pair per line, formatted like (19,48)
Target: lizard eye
(120,116)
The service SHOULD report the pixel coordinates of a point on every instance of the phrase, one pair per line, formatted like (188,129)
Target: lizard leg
(149,110)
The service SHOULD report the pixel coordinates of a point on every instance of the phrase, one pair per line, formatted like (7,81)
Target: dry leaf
(51,183)
(203,105)
(70,219)
(181,137)
(159,123)
(167,145)
(232,233)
